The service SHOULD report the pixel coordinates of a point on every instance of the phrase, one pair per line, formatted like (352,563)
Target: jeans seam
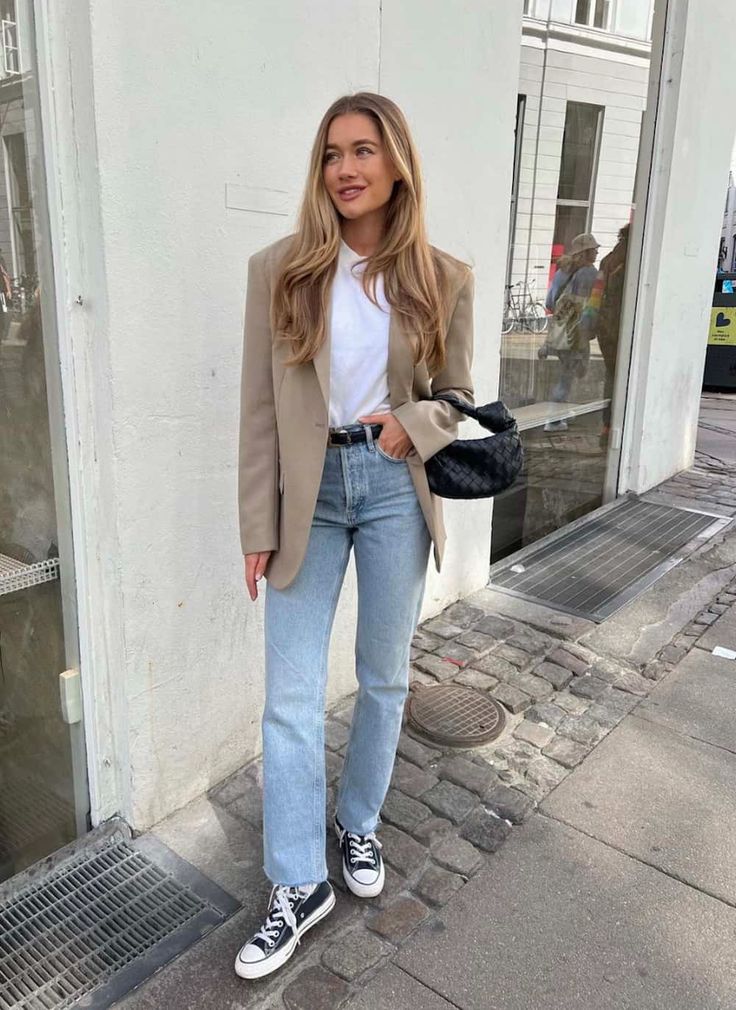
(319,723)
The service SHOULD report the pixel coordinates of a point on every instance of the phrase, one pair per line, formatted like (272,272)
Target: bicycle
(522,311)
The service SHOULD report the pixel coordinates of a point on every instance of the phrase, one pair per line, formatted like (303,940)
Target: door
(43,785)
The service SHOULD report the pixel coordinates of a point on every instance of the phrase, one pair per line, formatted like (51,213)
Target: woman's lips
(350,194)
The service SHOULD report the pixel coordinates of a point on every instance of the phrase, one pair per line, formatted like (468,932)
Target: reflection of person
(336,422)
(6,297)
(613,270)
(571,287)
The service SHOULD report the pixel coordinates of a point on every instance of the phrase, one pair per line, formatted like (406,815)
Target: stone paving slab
(223,847)
(721,632)
(549,621)
(556,919)
(394,989)
(698,699)
(661,496)
(664,798)
(637,632)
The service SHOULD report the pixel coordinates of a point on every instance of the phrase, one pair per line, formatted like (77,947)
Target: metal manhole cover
(455,716)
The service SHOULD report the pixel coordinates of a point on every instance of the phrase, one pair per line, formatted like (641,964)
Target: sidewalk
(587,859)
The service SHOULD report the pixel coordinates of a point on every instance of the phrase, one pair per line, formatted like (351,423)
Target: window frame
(590,199)
(589,22)
(519,124)
(589,202)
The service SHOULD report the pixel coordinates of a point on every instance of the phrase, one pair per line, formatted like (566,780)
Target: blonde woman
(351,324)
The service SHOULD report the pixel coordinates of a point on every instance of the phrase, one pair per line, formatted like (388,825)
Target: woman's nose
(347,169)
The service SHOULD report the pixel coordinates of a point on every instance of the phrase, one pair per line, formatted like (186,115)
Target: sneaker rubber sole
(259,969)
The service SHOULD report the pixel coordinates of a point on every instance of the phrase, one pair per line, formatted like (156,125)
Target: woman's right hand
(255,566)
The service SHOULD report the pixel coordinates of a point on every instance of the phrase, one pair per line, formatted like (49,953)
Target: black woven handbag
(477,467)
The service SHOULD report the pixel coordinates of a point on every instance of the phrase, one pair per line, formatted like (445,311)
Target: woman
(570,300)
(351,324)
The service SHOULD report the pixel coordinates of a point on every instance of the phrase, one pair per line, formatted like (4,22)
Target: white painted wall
(683,222)
(197,120)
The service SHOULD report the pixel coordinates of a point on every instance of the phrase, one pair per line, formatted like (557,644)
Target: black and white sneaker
(291,912)
(362,862)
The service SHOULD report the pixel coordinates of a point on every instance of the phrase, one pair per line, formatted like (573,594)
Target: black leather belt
(351,434)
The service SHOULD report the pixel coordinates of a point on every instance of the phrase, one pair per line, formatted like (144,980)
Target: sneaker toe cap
(251,954)
(365,876)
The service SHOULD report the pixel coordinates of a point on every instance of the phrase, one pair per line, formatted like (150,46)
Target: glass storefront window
(578,132)
(42,783)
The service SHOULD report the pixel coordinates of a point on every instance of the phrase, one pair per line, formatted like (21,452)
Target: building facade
(140,176)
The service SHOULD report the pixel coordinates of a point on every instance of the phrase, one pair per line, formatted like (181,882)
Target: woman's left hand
(393,440)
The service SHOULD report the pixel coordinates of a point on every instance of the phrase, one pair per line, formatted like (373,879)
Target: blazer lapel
(322,359)
(400,362)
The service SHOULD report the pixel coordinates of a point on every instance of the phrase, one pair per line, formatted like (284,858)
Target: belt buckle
(346,433)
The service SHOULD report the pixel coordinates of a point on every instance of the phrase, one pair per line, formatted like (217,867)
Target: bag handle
(457,403)
(491,416)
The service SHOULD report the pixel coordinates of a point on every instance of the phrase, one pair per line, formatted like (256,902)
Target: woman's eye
(366,149)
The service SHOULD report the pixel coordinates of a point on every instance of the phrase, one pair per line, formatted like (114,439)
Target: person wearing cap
(576,278)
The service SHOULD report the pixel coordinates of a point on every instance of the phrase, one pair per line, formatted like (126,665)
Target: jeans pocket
(391,459)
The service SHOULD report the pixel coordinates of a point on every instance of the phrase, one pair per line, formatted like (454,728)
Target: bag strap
(457,403)
(566,285)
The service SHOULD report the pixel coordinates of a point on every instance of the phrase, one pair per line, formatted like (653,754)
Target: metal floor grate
(604,560)
(100,923)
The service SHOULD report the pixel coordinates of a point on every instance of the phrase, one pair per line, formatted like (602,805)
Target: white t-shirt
(359,345)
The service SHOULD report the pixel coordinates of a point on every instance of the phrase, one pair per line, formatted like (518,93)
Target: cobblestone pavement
(448,812)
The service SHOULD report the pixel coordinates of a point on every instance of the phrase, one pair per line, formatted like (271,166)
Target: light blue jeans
(366,502)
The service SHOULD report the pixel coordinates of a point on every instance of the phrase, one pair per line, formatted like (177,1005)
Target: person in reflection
(6,297)
(612,274)
(571,299)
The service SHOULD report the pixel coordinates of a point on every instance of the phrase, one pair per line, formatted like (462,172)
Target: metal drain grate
(455,716)
(605,560)
(101,923)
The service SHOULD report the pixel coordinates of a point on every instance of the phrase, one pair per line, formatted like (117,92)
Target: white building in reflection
(582,93)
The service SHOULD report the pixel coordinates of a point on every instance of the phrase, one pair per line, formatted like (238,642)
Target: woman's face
(358,173)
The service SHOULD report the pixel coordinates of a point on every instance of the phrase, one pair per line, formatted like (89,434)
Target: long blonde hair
(415,283)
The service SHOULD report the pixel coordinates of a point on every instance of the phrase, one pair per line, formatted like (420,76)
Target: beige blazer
(284,418)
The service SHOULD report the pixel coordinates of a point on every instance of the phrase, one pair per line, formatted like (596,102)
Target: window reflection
(579,118)
(37,780)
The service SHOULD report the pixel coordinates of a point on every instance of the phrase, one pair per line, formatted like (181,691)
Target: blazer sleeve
(258,493)
(432,424)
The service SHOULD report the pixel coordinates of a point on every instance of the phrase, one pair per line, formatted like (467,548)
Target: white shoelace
(361,851)
(280,912)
